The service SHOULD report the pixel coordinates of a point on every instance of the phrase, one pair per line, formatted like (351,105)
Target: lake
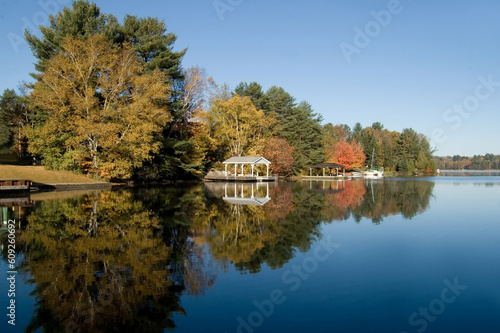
(394,255)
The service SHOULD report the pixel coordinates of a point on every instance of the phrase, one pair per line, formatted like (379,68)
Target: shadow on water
(120,260)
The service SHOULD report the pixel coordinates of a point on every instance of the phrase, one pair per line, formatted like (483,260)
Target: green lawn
(38,174)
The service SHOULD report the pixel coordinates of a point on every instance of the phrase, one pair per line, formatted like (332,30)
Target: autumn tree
(238,125)
(359,155)
(154,47)
(280,154)
(341,153)
(103,110)
(346,154)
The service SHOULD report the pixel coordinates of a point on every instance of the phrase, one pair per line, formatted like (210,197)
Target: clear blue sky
(425,66)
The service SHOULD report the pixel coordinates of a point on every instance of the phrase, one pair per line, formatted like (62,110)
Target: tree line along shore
(111,100)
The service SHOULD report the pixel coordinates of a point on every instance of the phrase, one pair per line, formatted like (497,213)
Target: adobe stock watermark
(373,28)
(292,278)
(11,273)
(223,6)
(421,319)
(41,17)
(455,115)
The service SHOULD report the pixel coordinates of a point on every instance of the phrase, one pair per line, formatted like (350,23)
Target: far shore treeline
(476,162)
(112,100)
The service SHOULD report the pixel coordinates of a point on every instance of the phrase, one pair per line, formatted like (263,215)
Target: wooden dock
(15,185)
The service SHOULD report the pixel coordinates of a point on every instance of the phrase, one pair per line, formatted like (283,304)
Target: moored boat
(373,174)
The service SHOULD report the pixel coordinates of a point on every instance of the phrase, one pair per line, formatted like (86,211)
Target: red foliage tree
(341,153)
(349,155)
(359,155)
(280,154)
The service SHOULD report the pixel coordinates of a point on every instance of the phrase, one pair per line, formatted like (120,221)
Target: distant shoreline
(472,171)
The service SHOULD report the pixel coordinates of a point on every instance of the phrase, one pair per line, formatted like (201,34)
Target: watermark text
(11,273)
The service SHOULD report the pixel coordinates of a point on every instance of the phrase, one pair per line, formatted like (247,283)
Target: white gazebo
(252,161)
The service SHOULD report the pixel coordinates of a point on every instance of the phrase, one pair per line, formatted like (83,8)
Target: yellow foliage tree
(103,110)
(236,123)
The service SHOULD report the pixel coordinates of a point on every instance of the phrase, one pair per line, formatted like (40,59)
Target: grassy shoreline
(38,174)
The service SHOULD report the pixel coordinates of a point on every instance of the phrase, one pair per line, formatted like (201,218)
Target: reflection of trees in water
(172,206)
(120,260)
(100,264)
(372,199)
(281,205)
(345,197)
(392,197)
(233,232)
(250,236)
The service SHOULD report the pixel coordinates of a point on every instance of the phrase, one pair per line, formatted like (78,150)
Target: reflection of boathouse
(246,194)
(327,186)
(253,194)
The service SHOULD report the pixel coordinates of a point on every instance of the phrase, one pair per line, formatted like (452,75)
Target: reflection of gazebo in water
(327,186)
(324,166)
(246,194)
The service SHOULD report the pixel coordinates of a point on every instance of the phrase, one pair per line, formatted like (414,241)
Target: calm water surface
(400,255)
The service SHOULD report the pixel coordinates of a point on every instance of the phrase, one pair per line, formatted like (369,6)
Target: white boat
(373,174)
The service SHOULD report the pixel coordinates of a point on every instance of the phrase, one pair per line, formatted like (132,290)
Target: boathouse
(330,166)
(248,169)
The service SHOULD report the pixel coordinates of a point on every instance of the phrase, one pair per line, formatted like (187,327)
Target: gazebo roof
(328,165)
(246,160)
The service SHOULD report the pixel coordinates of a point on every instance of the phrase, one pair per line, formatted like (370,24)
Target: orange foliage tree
(348,154)
(280,154)
(359,155)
